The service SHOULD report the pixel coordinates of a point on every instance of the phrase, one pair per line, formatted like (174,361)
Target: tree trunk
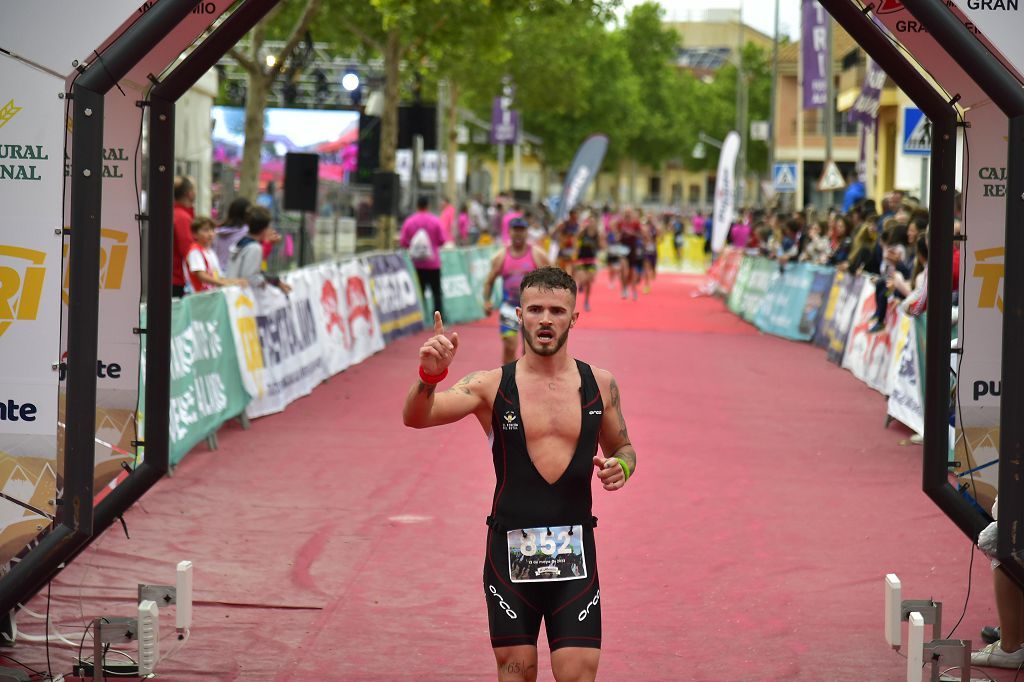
(255,105)
(451,187)
(389,121)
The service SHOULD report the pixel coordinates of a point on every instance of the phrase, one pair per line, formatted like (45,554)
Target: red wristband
(432,378)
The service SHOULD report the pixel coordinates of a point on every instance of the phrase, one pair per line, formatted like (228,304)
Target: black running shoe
(990,634)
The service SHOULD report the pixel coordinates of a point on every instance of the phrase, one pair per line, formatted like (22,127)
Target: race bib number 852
(543,554)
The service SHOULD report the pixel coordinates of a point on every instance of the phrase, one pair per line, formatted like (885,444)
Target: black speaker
(385,193)
(300,181)
(368,158)
(417,119)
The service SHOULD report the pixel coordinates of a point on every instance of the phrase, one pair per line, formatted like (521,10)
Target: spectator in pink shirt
(447,219)
(427,263)
(516,212)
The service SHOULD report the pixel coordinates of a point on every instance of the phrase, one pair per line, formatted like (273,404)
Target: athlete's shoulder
(603,377)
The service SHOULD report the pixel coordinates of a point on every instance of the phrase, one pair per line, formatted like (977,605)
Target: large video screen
(332,134)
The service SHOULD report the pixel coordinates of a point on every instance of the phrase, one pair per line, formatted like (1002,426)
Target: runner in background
(615,251)
(631,238)
(652,233)
(588,244)
(512,263)
(565,237)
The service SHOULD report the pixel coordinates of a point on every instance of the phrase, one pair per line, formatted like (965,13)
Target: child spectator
(817,247)
(247,255)
(202,267)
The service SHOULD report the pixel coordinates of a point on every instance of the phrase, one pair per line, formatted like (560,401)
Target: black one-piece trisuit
(541,561)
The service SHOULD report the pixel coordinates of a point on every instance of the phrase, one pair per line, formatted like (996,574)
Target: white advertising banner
(725,191)
(1001,23)
(981,294)
(55,33)
(335,339)
(364,328)
(31,183)
(905,404)
(867,354)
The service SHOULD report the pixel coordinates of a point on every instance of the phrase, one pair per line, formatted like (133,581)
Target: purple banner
(814,50)
(865,109)
(504,122)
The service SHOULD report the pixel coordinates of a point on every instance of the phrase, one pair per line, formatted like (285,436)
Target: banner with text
(396,295)
(206,385)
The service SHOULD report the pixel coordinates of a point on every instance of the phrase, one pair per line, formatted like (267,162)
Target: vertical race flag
(814,50)
(725,191)
(865,108)
(583,170)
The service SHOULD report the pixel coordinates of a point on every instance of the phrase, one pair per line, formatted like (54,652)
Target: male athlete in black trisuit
(545,415)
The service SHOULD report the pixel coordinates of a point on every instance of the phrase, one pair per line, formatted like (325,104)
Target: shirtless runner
(545,416)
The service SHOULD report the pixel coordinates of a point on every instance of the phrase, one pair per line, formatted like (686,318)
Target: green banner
(206,386)
(461,299)
(478,259)
(762,272)
(739,287)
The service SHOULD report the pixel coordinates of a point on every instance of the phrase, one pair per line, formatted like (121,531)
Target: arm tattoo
(626,450)
(464,382)
(425,389)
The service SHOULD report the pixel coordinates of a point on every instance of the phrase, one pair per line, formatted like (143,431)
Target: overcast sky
(757,13)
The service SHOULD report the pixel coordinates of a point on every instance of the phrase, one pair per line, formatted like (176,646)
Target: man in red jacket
(184,198)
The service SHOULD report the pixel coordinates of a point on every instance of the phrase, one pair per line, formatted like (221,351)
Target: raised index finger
(438,324)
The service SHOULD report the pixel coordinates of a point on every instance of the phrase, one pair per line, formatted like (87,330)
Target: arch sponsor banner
(31,182)
(396,295)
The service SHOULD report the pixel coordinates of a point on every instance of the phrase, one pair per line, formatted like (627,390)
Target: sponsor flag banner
(906,401)
(396,295)
(206,385)
(584,168)
(782,306)
(31,186)
(867,354)
(865,107)
(461,300)
(814,51)
(365,329)
(846,304)
(725,191)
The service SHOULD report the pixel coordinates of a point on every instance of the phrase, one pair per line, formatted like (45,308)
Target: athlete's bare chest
(550,408)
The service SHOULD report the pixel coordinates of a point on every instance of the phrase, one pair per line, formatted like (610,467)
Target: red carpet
(332,543)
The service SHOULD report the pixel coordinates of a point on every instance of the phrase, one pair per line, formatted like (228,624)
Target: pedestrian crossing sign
(784,177)
(917,132)
(831,178)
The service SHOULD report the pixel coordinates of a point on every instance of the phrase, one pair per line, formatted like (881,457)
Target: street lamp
(699,150)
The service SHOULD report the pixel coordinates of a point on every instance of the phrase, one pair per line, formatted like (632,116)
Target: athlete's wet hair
(550,278)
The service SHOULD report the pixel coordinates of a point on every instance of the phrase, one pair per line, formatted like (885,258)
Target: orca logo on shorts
(586,612)
(501,602)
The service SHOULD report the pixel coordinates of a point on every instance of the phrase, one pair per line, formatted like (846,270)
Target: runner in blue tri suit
(545,416)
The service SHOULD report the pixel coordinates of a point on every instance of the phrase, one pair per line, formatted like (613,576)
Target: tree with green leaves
(260,79)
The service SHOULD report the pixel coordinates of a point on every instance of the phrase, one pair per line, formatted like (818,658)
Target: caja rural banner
(117,368)
(396,295)
(906,402)
(31,185)
(206,385)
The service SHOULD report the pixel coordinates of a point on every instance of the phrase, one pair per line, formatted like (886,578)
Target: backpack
(420,247)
